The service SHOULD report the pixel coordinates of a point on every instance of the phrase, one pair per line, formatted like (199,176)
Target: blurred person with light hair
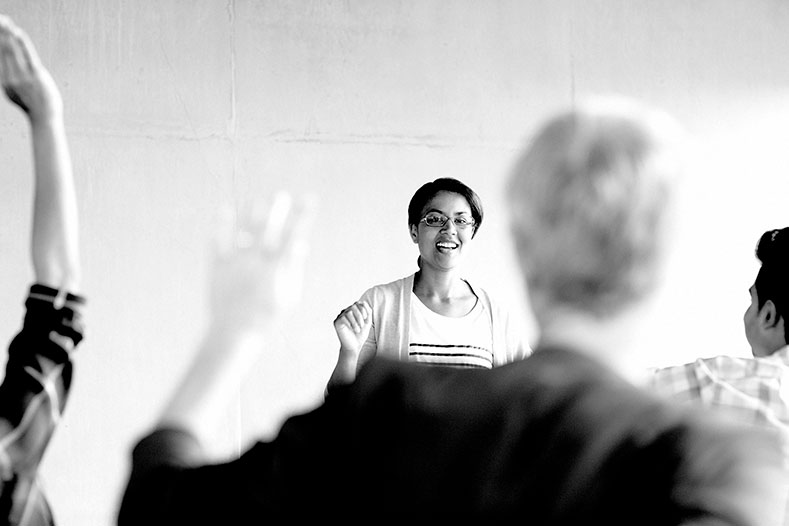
(592,219)
(592,204)
(564,436)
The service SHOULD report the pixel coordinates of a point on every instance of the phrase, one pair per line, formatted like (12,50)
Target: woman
(433,316)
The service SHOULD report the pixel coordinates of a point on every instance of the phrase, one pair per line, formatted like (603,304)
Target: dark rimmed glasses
(434,220)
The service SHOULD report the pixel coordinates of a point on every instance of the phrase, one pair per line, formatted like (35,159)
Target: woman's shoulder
(392,286)
(388,291)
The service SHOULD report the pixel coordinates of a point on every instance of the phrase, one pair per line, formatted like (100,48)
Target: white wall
(175,107)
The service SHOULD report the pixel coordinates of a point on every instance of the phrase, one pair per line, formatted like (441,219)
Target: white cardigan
(391,305)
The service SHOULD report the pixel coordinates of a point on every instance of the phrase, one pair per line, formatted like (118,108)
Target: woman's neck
(443,286)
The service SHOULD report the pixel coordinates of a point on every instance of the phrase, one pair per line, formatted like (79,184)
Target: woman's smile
(446,246)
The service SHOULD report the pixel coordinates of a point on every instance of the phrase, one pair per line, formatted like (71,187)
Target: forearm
(212,380)
(344,371)
(54,244)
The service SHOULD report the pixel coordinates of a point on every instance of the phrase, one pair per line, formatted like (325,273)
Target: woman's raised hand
(353,326)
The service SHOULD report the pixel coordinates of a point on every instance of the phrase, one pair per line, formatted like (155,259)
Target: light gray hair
(589,200)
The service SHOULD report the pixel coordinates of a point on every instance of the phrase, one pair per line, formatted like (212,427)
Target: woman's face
(442,247)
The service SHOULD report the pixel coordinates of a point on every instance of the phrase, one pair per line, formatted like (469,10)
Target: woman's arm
(352,326)
(27,83)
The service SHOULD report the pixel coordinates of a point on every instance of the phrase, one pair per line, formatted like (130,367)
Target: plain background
(176,107)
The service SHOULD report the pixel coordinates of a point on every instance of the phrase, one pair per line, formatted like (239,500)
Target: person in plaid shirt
(756,388)
(39,369)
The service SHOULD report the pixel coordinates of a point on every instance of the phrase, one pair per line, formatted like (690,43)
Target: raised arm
(352,326)
(256,281)
(38,370)
(28,84)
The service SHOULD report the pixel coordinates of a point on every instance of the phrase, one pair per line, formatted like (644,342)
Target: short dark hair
(772,281)
(444,184)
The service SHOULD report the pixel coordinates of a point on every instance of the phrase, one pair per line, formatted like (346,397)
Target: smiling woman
(434,316)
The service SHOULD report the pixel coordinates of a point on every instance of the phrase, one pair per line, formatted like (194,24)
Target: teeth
(446,245)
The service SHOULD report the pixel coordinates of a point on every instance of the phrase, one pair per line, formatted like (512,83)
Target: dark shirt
(555,438)
(32,398)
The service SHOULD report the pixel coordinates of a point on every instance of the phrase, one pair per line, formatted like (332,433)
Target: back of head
(772,281)
(589,202)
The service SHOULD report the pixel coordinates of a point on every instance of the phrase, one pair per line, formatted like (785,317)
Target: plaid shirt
(32,397)
(757,389)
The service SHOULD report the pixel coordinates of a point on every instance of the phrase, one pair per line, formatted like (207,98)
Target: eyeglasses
(439,220)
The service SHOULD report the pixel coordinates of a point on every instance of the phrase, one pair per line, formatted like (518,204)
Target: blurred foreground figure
(561,437)
(39,368)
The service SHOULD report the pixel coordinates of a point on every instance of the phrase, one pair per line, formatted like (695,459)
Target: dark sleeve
(170,482)
(733,474)
(163,465)
(37,378)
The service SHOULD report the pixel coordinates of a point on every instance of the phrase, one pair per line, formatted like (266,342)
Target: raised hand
(256,279)
(27,83)
(352,326)
(259,263)
(25,80)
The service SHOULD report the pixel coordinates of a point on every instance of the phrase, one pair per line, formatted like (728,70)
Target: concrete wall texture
(176,107)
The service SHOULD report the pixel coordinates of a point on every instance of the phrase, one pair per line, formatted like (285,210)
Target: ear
(414,233)
(779,326)
(768,316)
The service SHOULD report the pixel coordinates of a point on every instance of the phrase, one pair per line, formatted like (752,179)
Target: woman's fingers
(347,318)
(356,316)
(358,319)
